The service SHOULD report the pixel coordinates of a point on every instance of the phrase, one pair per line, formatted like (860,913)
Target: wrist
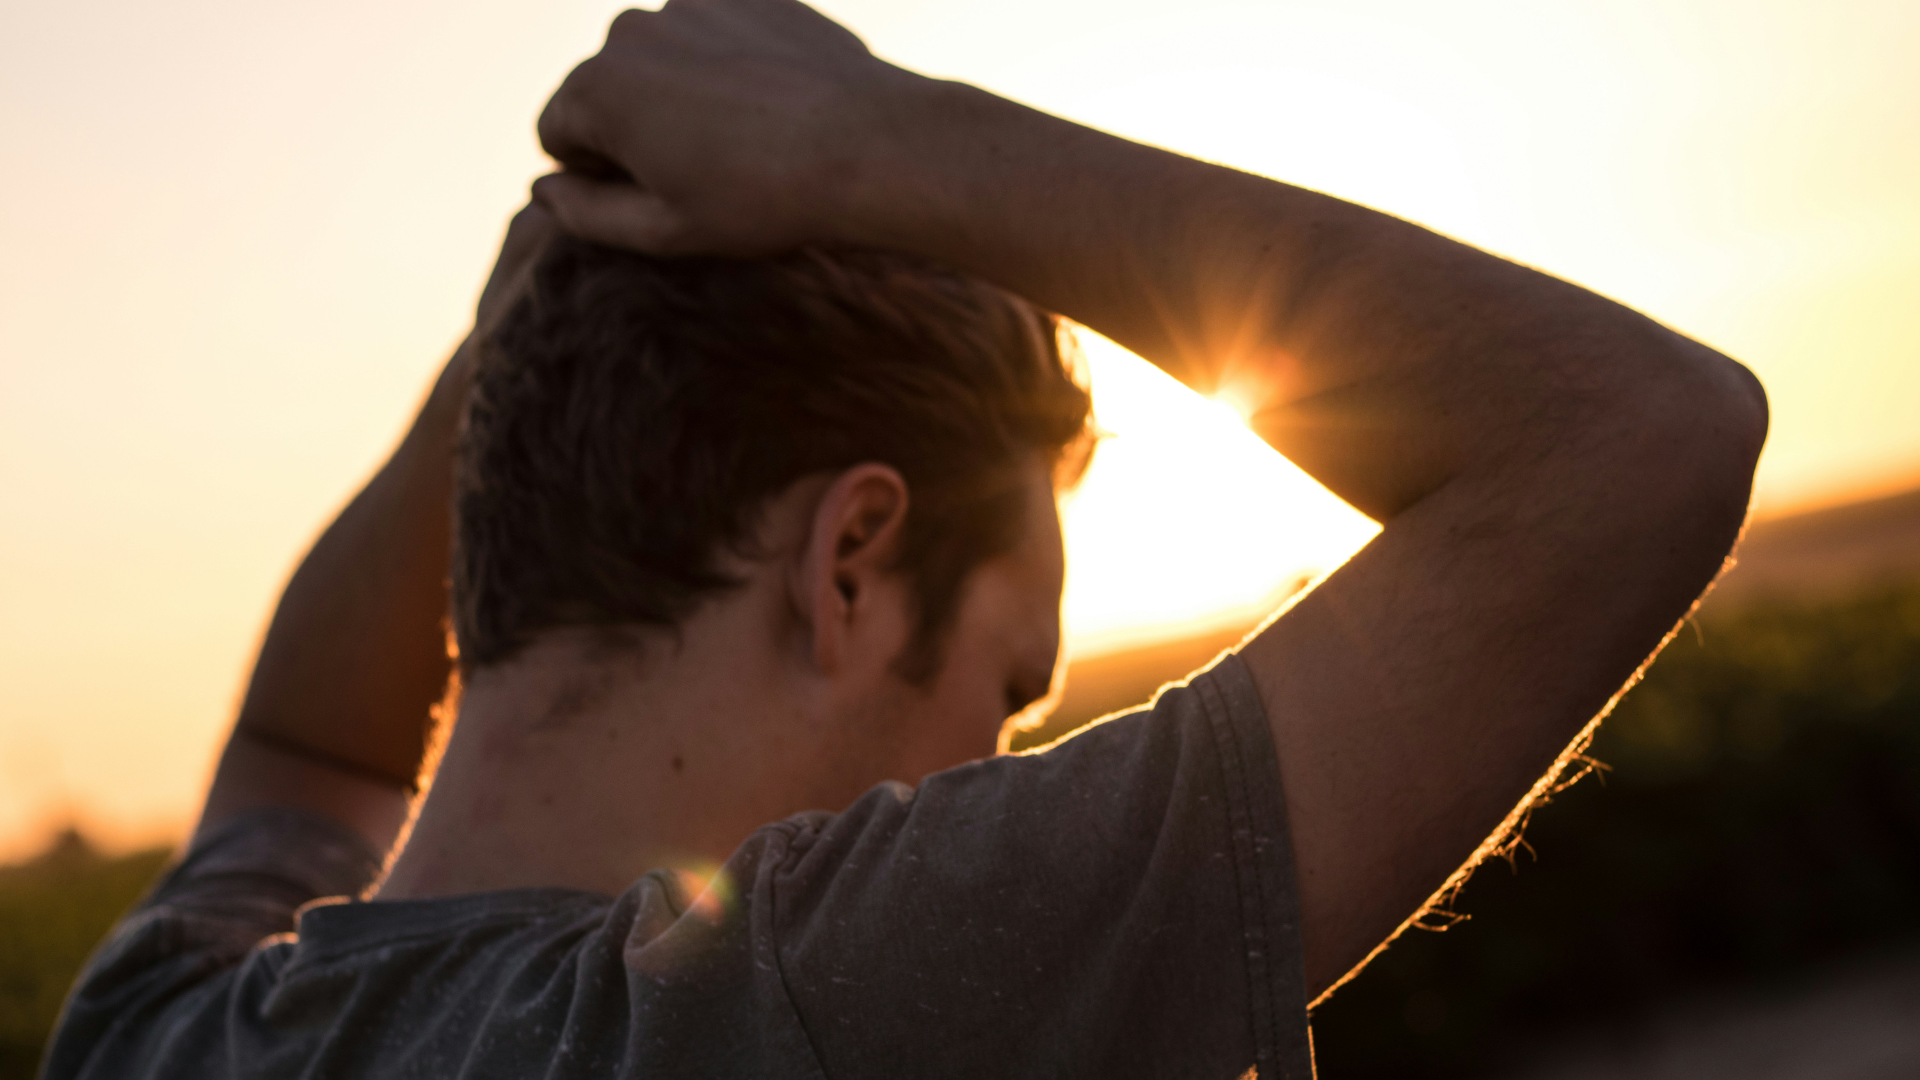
(891,175)
(974,181)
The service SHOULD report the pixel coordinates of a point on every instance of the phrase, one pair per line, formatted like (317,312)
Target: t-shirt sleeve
(1120,905)
(235,886)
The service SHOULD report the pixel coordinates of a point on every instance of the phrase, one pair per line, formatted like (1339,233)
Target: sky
(237,239)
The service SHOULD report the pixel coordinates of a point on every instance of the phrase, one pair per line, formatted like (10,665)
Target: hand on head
(709,127)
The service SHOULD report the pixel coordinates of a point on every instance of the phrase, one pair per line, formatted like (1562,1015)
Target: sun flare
(1185,516)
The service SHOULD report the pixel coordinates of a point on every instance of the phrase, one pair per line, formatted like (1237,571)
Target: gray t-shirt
(1121,905)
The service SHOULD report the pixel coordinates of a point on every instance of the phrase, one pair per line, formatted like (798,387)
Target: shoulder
(232,895)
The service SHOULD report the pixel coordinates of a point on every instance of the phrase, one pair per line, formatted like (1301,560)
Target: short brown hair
(632,415)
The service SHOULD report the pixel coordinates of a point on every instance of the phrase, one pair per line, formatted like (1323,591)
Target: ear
(852,545)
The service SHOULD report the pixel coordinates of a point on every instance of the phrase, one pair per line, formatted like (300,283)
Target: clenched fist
(725,127)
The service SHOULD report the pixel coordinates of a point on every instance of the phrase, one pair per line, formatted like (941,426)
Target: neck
(584,764)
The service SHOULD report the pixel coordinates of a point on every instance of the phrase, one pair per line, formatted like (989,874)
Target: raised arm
(1559,476)
(336,716)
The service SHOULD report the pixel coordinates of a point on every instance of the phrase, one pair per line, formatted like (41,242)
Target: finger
(566,128)
(632,19)
(612,212)
(567,132)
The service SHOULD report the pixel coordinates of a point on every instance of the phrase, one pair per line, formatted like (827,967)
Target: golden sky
(237,238)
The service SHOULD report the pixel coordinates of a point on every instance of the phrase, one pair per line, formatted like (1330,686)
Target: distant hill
(1807,556)
(1825,552)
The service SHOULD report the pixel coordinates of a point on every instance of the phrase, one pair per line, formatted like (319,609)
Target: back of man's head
(633,415)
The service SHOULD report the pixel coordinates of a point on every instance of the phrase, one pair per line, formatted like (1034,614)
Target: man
(592,886)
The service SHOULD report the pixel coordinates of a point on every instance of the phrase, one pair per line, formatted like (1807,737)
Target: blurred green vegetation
(1761,821)
(53,911)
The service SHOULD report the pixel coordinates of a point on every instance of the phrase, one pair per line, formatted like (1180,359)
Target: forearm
(1381,357)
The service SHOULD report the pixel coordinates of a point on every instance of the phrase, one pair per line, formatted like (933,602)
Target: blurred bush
(53,911)
(1761,820)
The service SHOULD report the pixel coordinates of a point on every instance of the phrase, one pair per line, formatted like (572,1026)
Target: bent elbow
(1743,414)
(1713,421)
(1731,419)
(1759,414)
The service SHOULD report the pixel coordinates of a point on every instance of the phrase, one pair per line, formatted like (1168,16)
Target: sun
(1185,516)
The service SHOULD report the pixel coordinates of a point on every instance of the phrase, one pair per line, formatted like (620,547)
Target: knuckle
(553,116)
(550,127)
(628,22)
(532,220)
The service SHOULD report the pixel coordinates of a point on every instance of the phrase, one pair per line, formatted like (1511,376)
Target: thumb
(611,212)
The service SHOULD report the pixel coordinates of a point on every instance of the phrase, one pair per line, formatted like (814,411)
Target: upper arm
(149,999)
(254,774)
(1418,694)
